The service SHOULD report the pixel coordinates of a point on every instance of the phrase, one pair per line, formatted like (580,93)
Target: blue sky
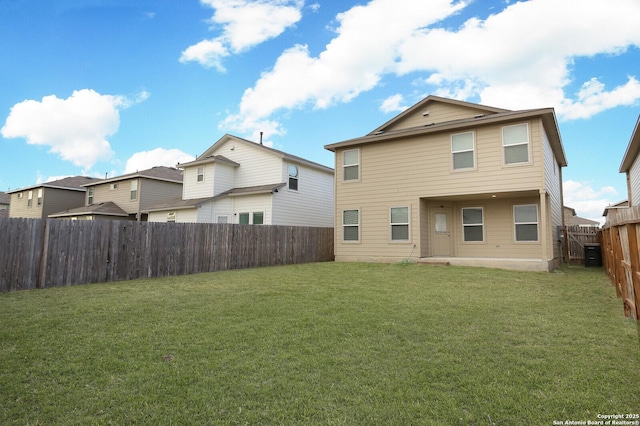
(101,87)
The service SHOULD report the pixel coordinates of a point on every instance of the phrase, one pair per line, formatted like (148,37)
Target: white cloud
(245,24)
(75,128)
(520,57)
(587,201)
(393,104)
(353,62)
(156,157)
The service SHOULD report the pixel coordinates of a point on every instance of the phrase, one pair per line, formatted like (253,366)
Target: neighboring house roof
(494,115)
(5,198)
(632,149)
(624,204)
(571,218)
(73,183)
(108,208)
(179,203)
(209,155)
(168,174)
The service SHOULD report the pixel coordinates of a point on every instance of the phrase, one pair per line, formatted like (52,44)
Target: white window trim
(198,174)
(90,196)
(528,143)
(473,224)
(133,193)
(408,224)
(357,164)
(297,177)
(537,223)
(352,225)
(473,150)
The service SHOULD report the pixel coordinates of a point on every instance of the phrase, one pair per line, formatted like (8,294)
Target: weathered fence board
(621,255)
(49,253)
(577,237)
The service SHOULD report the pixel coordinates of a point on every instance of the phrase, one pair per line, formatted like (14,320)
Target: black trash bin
(592,254)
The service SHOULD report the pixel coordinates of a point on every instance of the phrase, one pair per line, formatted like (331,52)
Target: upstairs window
(113,186)
(525,218)
(200,174)
(39,196)
(399,223)
(351,164)
(351,225)
(30,199)
(515,141)
(134,190)
(293,177)
(472,224)
(90,196)
(463,151)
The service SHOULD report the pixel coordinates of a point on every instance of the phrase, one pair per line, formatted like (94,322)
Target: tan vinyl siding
(121,196)
(53,201)
(553,182)
(438,113)
(152,192)
(422,166)
(634,183)
(407,172)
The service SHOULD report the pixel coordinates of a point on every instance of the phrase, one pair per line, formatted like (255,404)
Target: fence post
(635,270)
(44,255)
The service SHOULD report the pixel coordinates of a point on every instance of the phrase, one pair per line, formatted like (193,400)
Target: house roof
(624,204)
(168,174)
(209,154)
(179,203)
(73,183)
(632,149)
(108,208)
(429,99)
(493,116)
(5,198)
(210,159)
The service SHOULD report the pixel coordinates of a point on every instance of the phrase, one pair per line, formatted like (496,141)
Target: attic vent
(430,124)
(425,112)
(379,132)
(479,115)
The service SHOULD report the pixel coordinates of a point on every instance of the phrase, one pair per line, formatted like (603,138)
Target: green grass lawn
(326,343)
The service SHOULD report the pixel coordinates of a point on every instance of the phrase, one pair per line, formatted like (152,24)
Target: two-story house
(244,182)
(39,201)
(630,166)
(455,183)
(125,197)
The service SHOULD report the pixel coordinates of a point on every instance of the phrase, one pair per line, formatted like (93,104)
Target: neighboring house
(4,204)
(239,181)
(631,166)
(124,197)
(39,201)
(571,219)
(453,182)
(612,210)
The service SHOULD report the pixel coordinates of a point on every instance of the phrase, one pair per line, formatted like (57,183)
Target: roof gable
(211,153)
(435,110)
(162,173)
(632,149)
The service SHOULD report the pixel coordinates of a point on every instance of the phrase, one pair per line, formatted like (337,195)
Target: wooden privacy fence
(620,239)
(576,237)
(38,253)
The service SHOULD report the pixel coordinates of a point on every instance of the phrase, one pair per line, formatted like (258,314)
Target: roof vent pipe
(260,138)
